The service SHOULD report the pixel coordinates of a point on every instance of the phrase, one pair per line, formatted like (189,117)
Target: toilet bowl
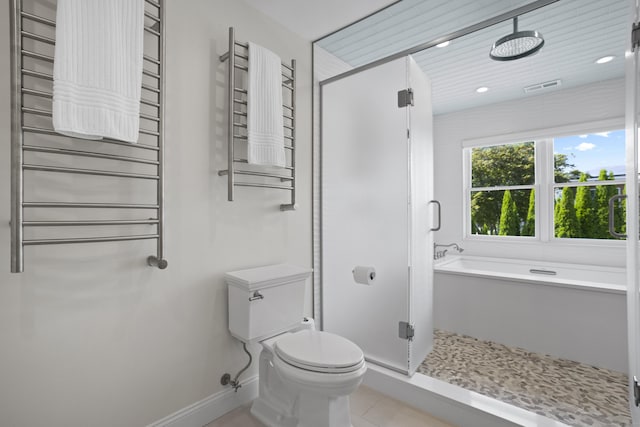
(323,369)
(305,376)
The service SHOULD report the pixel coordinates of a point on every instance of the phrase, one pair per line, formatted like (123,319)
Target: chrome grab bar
(437,203)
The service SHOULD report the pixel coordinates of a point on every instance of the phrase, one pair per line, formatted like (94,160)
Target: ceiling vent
(542,86)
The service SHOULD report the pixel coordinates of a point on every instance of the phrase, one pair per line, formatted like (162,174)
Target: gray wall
(90,335)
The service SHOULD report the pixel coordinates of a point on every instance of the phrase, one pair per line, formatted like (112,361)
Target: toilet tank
(265,301)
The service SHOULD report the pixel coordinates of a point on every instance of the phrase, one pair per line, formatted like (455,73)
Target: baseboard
(451,403)
(210,408)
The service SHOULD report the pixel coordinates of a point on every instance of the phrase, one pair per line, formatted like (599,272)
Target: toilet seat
(320,352)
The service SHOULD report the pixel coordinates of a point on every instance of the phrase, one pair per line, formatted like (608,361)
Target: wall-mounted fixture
(34,80)
(541,86)
(517,44)
(440,254)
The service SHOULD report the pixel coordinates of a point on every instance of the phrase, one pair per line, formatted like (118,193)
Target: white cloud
(602,134)
(585,146)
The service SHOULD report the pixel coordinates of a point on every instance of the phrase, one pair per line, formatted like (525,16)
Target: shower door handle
(612,224)
(437,203)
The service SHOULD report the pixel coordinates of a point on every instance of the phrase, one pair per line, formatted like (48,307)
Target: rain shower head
(517,44)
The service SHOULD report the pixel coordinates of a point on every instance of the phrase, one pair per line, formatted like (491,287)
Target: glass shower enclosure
(377,211)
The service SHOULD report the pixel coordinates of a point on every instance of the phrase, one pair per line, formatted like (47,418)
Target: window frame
(470,189)
(544,181)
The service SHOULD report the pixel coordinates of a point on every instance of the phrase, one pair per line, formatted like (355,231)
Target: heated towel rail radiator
(237,125)
(39,153)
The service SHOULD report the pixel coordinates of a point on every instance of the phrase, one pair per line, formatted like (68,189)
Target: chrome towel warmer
(31,35)
(237,115)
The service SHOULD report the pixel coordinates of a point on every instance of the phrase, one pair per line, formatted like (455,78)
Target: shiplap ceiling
(576,33)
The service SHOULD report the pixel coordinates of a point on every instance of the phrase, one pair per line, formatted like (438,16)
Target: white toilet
(305,376)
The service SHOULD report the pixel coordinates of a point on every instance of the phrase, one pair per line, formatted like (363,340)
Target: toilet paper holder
(363,275)
(372,274)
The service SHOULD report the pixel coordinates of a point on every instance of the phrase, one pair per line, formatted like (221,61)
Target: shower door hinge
(636,391)
(405,98)
(635,36)
(406,331)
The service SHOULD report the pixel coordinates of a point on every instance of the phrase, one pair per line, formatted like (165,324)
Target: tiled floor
(563,390)
(368,409)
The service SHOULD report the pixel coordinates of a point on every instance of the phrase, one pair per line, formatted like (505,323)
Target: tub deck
(587,277)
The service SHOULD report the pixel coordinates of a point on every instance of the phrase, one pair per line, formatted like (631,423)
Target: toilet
(305,375)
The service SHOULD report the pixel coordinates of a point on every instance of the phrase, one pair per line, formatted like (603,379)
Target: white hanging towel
(97,71)
(264,108)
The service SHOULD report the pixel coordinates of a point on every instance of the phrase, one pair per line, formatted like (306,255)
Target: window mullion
(503,187)
(545,196)
(586,183)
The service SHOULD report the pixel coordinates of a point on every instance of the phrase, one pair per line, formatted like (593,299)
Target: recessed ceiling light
(482,89)
(443,44)
(605,59)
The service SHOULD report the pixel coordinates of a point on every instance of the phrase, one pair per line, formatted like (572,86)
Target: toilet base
(321,411)
(276,403)
(310,411)
(270,417)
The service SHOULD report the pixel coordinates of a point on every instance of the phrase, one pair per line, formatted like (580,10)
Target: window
(565,182)
(589,170)
(502,183)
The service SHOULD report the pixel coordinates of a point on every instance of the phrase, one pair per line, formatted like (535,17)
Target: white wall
(92,336)
(600,101)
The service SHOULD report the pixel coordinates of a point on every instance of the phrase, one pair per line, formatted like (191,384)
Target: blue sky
(595,151)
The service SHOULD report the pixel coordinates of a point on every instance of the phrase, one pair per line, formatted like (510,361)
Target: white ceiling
(313,19)
(576,33)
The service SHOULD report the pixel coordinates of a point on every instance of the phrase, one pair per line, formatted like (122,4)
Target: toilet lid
(319,352)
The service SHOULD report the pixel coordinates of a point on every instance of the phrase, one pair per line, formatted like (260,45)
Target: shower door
(633,243)
(376,186)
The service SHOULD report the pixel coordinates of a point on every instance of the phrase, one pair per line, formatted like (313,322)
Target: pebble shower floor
(571,392)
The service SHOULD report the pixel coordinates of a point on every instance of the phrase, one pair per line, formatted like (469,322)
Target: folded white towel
(264,108)
(97,71)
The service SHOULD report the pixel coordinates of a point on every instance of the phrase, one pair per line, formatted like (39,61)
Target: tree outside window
(502,195)
(596,172)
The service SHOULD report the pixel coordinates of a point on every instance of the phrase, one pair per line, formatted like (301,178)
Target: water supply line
(440,254)
(226,378)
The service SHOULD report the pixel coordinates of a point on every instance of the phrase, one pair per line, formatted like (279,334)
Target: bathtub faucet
(440,254)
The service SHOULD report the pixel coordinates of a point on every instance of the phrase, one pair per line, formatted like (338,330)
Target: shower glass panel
(368,185)
(633,242)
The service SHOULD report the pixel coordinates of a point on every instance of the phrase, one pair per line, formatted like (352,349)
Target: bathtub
(587,277)
(571,311)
